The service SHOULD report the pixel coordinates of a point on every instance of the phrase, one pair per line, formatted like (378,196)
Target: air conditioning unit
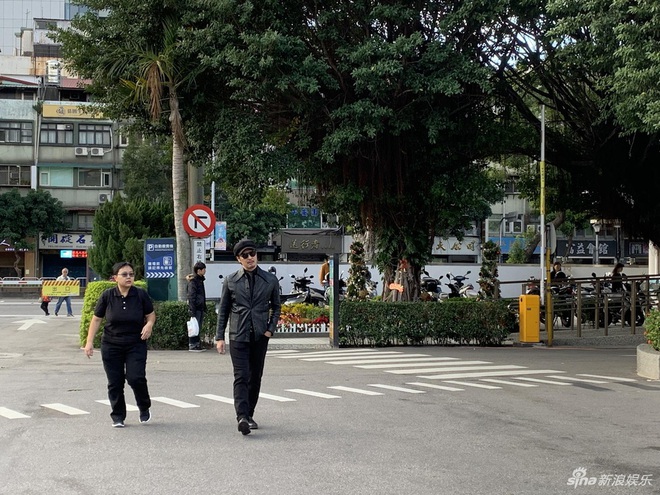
(81,151)
(96,151)
(104,198)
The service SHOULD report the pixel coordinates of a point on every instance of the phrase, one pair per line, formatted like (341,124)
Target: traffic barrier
(60,288)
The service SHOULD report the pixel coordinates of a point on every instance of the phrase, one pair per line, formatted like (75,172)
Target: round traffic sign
(199,221)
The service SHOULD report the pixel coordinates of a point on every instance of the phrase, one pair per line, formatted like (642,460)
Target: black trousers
(126,363)
(248,361)
(194,342)
(44,307)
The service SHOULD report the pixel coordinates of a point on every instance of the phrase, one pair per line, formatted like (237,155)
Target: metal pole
(545,253)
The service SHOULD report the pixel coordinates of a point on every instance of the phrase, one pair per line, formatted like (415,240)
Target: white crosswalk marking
(320,395)
(339,359)
(11,414)
(129,407)
(539,380)
(282,351)
(453,369)
(276,398)
(389,359)
(451,376)
(472,384)
(397,389)
(217,398)
(571,379)
(437,387)
(423,364)
(506,382)
(174,402)
(613,378)
(330,353)
(355,390)
(71,411)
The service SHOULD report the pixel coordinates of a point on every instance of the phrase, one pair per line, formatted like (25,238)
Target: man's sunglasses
(248,254)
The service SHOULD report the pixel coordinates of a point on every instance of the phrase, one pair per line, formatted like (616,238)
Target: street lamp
(617,227)
(596,225)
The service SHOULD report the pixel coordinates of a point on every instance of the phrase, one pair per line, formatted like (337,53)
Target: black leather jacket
(244,313)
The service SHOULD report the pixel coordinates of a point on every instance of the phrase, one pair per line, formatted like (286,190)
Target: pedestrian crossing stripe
(355,390)
(71,411)
(571,379)
(347,358)
(437,387)
(539,380)
(472,384)
(613,378)
(276,397)
(507,382)
(320,395)
(217,398)
(129,407)
(330,354)
(452,376)
(174,402)
(458,368)
(397,389)
(417,364)
(11,414)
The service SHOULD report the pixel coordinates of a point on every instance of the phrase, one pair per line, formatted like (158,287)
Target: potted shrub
(648,355)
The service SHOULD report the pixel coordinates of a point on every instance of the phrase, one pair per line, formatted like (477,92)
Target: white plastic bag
(193,327)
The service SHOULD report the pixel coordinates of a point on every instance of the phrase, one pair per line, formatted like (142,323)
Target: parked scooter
(431,288)
(303,293)
(458,287)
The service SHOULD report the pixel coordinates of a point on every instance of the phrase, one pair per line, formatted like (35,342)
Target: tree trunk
(180,199)
(529,248)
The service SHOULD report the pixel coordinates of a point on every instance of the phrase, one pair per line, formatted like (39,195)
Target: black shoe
(244,426)
(55,313)
(253,424)
(119,423)
(145,416)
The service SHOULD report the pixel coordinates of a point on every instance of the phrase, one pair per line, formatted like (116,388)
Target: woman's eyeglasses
(127,275)
(248,254)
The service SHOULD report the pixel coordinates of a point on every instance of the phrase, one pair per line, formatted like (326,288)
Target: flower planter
(302,328)
(648,362)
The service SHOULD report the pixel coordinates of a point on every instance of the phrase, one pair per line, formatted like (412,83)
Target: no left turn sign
(199,221)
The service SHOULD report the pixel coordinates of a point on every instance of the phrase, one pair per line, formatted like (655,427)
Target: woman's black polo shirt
(124,316)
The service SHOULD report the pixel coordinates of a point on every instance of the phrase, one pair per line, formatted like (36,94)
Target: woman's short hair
(118,266)
(199,266)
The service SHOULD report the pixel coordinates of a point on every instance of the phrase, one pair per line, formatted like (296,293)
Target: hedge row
(451,322)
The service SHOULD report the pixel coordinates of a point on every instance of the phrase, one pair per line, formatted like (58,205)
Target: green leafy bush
(452,322)
(652,329)
(170,330)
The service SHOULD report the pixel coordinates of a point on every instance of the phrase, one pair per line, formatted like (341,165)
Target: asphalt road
(430,420)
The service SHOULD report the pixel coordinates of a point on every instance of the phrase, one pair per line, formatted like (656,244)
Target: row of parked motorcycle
(457,286)
(302,290)
(595,301)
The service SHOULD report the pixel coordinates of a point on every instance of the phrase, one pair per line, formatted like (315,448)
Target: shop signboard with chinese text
(66,241)
(311,241)
(304,217)
(159,258)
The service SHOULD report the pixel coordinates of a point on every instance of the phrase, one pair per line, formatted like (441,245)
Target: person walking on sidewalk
(129,320)
(67,299)
(250,305)
(197,303)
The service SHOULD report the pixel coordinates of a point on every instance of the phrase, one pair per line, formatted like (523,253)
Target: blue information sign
(159,258)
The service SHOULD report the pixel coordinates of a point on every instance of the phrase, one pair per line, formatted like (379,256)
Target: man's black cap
(244,244)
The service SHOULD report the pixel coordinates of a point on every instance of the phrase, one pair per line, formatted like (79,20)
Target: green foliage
(490,253)
(256,222)
(147,168)
(516,253)
(120,228)
(170,331)
(23,218)
(652,329)
(452,322)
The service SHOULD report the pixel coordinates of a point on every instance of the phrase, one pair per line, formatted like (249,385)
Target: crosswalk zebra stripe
(539,380)
(282,351)
(571,379)
(389,359)
(129,407)
(355,390)
(346,358)
(613,378)
(71,411)
(174,402)
(320,395)
(411,365)
(397,389)
(11,414)
(451,376)
(347,352)
(472,384)
(506,382)
(437,387)
(458,368)
(276,398)
(217,398)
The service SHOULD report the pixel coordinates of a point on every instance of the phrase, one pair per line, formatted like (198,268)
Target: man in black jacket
(197,303)
(250,305)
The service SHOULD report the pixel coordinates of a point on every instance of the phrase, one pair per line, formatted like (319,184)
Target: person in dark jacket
(129,320)
(250,305)
(197,303)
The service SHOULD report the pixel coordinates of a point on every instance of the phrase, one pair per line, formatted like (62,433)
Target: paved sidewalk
(296,341)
